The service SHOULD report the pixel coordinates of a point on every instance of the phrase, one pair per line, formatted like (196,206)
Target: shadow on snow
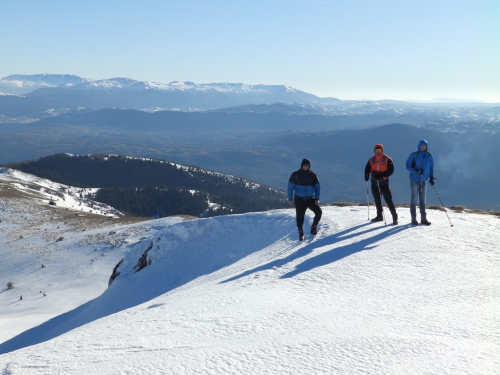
(338,253)
(329,256)
(105,304)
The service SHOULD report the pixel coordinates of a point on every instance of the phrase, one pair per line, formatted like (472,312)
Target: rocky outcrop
(143,260)
(115,273)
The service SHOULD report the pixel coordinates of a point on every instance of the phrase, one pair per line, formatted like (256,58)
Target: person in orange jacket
(381,167)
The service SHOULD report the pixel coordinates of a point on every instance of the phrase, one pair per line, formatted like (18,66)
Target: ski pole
(367,200)
(380,197)
(442,205)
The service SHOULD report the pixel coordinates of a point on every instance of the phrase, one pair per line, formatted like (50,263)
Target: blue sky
(348,49)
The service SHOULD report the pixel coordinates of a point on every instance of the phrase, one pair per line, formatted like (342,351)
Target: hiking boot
(414,221)
(314,229)
(424,221)
(395,219)
(301,235)
(378,218)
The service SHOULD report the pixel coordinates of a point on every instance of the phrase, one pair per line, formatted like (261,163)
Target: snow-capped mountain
(29,83)
(18,84)
(223,88)
(46,95)
(68,85)
(239,294)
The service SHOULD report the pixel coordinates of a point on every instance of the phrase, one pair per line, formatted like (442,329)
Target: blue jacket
(420,161)
(305,184)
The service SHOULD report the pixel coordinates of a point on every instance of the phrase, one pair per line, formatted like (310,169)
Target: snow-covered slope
(53,193)
(239,294)
(52,248)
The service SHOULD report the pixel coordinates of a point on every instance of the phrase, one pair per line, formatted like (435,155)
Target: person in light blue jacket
(420,164)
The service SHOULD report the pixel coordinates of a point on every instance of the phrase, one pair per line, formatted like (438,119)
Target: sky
(239,294)
(356,49)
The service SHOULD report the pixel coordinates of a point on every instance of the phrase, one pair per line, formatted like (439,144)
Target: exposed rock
(115,273)
(143,262)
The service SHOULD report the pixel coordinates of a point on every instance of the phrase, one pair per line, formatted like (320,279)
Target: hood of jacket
(423,142)
(378,145)
(305,162)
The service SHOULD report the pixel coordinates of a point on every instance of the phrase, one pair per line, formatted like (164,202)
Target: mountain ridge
(155,188)
(52,84)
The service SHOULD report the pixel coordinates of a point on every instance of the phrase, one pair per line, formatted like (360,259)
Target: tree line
(155,188)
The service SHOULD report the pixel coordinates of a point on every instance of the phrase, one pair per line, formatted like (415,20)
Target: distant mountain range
(24,84)
(253,131)
(42,95)
(447,100)
(72,92)
(29,98)
(19,84)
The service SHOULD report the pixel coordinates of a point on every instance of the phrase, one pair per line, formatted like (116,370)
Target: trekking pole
(442,205)
(367,200)
(380,197)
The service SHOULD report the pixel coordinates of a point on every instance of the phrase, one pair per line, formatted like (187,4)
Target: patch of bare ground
(23,216)
(187,217)
(7,192)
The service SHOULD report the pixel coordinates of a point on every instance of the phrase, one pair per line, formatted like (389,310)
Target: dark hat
(305,162)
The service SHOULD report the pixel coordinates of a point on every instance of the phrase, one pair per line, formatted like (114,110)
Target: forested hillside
(155,188)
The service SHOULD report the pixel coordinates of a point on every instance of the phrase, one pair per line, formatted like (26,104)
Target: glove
(419,172)
(367,176)
(431,181)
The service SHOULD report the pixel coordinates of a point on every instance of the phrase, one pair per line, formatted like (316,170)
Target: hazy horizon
(346,50)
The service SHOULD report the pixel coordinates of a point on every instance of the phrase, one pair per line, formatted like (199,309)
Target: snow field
(240,295)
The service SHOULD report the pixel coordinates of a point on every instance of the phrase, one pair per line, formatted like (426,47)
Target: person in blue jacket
(420,164)
(304,190)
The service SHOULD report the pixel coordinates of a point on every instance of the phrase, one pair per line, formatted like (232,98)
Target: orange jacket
(379,166)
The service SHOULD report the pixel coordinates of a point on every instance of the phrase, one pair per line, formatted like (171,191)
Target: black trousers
(386,192)
(301,205)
